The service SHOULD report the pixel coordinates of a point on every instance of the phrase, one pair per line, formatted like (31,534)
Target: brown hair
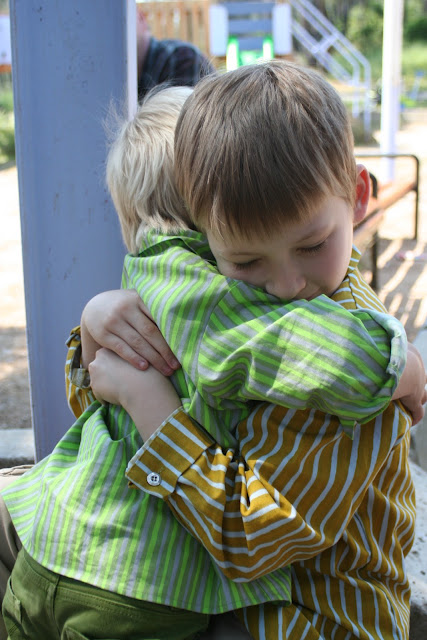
(139,171)
(260,145)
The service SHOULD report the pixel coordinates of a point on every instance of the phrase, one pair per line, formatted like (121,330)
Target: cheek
(334,268)
(224,268)
(328,270)
(251,276)
(324,270)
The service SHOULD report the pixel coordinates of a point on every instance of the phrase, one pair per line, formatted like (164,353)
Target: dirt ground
(14,389)
(403,283)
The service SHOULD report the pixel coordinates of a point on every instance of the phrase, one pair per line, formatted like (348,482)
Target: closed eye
(244,266)
(314,249)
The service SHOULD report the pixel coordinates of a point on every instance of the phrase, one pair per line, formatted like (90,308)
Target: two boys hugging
(278,448)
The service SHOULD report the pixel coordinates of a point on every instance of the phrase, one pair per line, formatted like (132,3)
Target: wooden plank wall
(188,21)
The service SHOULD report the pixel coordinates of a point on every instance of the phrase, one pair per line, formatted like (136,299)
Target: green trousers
(43,605)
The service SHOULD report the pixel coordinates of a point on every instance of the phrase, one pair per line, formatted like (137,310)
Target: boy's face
(301,261)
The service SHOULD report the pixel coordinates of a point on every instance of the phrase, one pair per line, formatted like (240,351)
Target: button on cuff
(154,479)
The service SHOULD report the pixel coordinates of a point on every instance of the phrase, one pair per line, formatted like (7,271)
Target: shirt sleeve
(307,354)
(288,493)
(77,380)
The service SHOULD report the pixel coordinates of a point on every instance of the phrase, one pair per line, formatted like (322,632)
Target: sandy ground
(403,284)
(14,389)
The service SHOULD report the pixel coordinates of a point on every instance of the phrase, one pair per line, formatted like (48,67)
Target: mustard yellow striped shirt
(298,491)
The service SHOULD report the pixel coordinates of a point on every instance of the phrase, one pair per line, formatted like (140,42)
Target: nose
(286,282)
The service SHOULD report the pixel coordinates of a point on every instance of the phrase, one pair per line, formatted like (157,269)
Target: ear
(363,190)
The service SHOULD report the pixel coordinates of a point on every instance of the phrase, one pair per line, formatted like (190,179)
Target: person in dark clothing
(172,61)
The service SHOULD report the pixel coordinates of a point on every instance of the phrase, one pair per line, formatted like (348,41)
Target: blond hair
(262,145)
(139,168)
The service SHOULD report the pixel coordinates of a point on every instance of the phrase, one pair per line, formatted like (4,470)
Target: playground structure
(245,32)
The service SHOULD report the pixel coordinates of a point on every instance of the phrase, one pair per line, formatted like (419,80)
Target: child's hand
(411,390)
(148,396)
(110,375)
(118,320)
(415,406)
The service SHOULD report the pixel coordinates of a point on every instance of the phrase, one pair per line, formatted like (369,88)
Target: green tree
(338,11)
(365,26)
(415,21)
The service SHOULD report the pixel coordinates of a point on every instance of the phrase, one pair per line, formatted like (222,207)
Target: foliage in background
(339,12)
(7,139)
(415,30)
(361,21)
(7,124)
(365,27)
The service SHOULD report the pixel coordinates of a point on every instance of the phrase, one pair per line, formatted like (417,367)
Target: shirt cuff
(393,372)
(167,454)
(77,375)
(398,350)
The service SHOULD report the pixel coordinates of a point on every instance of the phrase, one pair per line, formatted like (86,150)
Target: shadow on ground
(402,283)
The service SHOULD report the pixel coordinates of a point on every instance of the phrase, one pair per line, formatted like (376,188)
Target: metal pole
(391,83)
(69,60)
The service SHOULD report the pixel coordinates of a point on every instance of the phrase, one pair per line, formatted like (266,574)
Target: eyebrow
(313,235)
(239,254)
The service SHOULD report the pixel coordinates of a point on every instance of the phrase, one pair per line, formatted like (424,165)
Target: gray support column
(69,59)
